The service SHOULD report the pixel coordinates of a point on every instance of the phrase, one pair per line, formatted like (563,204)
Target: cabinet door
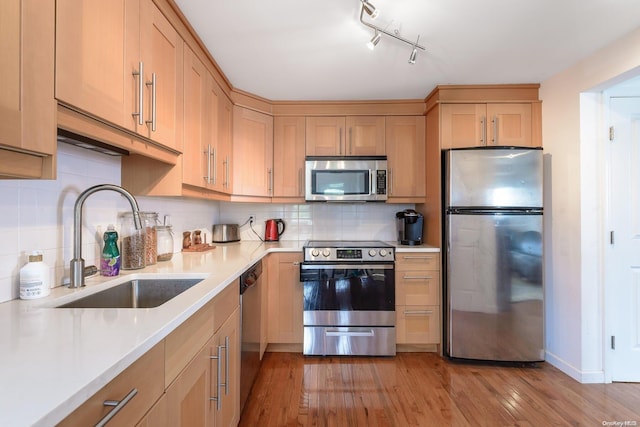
(253,143)
(227,386)
(285,299)
(325,136)
(405,141)
(223,169)
(288,158)
(161,51)
(197,154)
(97,54)
(510,124)
(463,125)
(188,396)
(365,136)
(27,107)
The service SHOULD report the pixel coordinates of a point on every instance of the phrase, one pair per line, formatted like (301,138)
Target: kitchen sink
(138,293)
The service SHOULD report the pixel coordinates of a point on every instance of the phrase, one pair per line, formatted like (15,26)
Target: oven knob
(315,252)
(383,252)
(372,252)
(326,252)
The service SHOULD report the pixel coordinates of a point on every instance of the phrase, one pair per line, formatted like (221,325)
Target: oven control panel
(349,254)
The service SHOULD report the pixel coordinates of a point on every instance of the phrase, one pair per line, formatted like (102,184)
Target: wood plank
(423,389)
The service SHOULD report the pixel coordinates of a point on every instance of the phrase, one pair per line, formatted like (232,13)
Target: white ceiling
(315,50)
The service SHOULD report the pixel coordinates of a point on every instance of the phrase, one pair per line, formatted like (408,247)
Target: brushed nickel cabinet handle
(117,407)
(417,277)
(417,257)
(418,312)
(350,140)
(390,173)
(215,167)
(152,83)
(270,181)
(217,398)
(495,130)
(483,131)
(139,74)
(226,365)
(207,154)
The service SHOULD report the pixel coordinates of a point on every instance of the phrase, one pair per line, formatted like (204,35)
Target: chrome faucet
(77,263)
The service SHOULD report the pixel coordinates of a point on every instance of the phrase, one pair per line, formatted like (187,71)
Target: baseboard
(584,377)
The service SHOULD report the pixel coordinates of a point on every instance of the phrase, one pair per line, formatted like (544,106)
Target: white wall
(320,221)
(573,220)
(39,215)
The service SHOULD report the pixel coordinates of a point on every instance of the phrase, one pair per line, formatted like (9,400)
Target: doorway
(621,343)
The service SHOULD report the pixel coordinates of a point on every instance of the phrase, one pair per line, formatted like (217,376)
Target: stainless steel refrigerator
(492,254)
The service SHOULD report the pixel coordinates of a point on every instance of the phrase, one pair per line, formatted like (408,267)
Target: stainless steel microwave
(346,179)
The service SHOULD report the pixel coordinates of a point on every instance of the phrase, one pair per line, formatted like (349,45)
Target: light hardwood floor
(422,389)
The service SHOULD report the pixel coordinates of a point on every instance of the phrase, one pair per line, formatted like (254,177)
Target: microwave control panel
(381,187)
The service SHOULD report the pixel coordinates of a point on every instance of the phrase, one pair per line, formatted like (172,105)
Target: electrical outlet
(252,218)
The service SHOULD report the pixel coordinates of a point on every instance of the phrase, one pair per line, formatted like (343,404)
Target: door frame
(600,129)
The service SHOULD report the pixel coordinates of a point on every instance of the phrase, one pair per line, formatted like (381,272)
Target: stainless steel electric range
(349,298)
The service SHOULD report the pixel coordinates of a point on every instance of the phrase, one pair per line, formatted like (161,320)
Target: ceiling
(315,50)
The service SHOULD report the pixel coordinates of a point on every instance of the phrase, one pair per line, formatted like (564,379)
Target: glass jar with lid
(165,242)
(149,223)
(132,243)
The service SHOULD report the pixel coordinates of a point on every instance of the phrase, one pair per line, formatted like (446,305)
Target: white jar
(35,278)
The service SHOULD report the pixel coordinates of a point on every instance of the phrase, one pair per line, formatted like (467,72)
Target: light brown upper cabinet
(27,107)
(207,128)
(253,144)
(121,61)
(471,125)
(288,159)
(345,136)
(405,139)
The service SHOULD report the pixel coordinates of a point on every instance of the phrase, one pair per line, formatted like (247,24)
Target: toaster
(225,233)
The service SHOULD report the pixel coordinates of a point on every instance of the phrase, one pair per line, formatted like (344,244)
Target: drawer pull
(418,312)
(417,277)
(117,407)
(416,257)
(334,333)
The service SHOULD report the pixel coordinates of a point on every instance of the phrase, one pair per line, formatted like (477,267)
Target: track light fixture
(374,40)
(373,12)
(370,9)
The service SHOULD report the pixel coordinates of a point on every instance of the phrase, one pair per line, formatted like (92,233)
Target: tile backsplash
(38,215)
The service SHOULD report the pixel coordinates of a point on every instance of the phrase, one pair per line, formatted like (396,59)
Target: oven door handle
(313,266)
(349,333)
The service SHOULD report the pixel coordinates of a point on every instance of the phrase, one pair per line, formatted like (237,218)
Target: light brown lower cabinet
(284,299)
(417,298)
(191,378)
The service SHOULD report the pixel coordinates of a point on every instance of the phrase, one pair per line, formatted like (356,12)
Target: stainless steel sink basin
(138,293)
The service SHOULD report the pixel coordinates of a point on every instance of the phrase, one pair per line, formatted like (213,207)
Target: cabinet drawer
(417,261)
(417,324)
(225,303)
(144,375)
(418,287)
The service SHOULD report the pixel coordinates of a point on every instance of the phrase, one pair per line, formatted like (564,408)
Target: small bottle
(110,259)
(35,279)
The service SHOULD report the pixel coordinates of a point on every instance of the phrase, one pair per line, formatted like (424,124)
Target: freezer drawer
(494,291)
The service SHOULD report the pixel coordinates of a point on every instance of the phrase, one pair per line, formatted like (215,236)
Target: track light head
(374,40)
(414,52)
(412,57)
(370,9)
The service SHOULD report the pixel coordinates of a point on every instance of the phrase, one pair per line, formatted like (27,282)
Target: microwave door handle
(371,182)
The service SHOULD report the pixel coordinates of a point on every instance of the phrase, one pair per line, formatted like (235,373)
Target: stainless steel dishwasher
(250,312)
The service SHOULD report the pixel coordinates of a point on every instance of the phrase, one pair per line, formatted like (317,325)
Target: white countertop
(54,359)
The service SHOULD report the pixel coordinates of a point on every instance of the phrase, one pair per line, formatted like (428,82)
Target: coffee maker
(409,224)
